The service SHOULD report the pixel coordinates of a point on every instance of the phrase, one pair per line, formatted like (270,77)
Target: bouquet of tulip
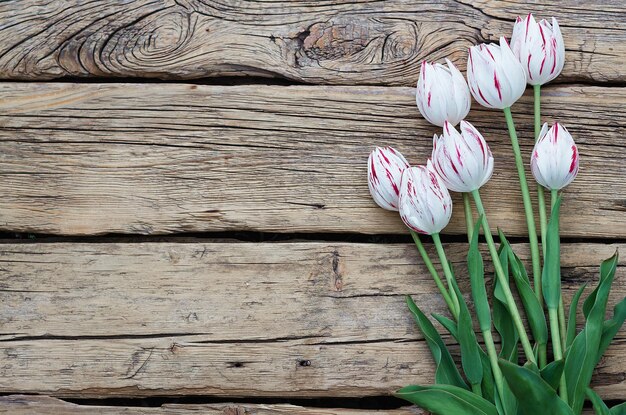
(499,382)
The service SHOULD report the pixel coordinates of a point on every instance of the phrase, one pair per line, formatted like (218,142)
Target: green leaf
(534,310)
(598,404)
(446,371)
(447,324)
(611,327)
(619,409)
(488,385)
(582,356)
(552,373)
(502,320)
(477,280)
(447,400)
(571,322)
(551,276)
(533,394)
(470,355)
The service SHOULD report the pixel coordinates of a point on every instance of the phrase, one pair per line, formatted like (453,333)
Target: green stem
(469,218)
(543,355)
(447,272)
(434,273)
(493,359)
(541,199)
(528,207)
(556,347)
(504,282)
(477,389)
(554,194)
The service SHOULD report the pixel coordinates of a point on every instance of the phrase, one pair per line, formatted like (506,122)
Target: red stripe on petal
(482,96)
(497,84)
(574,162)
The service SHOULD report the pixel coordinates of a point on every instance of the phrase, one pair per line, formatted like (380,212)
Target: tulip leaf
(534,395)
(477,280)
(534,310)
(618,409)
(582,356)
(447,400)
(598,404)
(470,355)
(487,385)
(551,276)
(552,373)
(446,372)
(612,326)
(571,322)
(502,320)
(447,324)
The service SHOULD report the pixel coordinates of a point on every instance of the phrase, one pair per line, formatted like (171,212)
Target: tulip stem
(556,328)
(469,218)
(447,272)
(554,196)
(528,207)
(434,273)
(504,281)
(541,199)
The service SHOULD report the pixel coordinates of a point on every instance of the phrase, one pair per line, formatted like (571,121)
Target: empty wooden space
(144,144)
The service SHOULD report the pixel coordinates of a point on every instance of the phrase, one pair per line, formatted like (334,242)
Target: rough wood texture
(153,159)
(45,405)
(333,42)
(236,319)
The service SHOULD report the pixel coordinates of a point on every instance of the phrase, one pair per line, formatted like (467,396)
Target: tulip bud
(554,161)
(425,203)
(462,160)
(496,78)
(384,171)
(442,94)
(540,49)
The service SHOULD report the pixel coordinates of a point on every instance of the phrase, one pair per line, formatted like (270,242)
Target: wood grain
(234,319)
(82,159)
(331,42)
(45,405)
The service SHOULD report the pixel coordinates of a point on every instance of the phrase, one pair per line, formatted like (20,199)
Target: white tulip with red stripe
(555,160)
(540,49)
(425,203)
(495,77)
(384,172)
(442,94)
(463,160)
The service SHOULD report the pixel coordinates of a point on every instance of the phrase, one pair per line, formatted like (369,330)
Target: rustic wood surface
(82,159)
(173,317)
(330,42)
(43,405)
(234,319)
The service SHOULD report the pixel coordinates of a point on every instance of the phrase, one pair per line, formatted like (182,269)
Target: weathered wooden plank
(238,319)
(45,405)
(334,42)
(154,159)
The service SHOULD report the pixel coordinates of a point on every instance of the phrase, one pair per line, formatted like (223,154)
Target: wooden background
(185,214)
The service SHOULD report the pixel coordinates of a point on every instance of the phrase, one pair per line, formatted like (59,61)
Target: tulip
(554,161)
(463,160)
(384,171)
(496,78)
(425,203)
(442,94)
(540,49)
